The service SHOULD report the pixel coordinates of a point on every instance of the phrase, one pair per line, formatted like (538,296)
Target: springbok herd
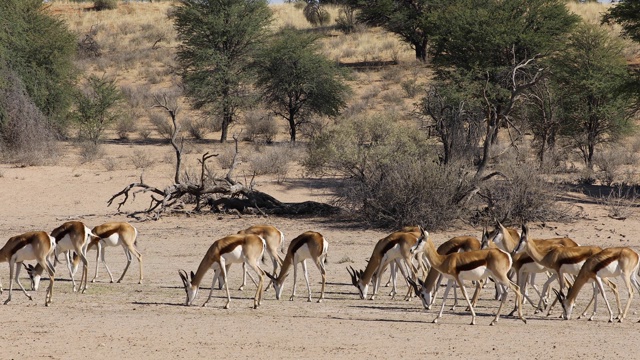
(503,255)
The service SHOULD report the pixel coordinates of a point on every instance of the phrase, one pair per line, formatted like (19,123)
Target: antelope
(114,234)
(274,239)
(309,245)
(524,266)
(35,245)
(429,287)
(560,260)
(394,246)
(612,262)
(72,238)
(393,266)
(472,265)
(231,249)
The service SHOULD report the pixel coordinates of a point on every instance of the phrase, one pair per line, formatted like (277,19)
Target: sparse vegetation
(137,43)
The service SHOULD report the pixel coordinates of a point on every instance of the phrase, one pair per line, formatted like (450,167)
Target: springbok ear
(192,276)
(421,282)
(273,278)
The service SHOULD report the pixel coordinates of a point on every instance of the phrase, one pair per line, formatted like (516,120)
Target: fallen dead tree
(219,194)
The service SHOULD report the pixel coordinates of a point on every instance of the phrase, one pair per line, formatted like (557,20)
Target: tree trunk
(226,120)
(292,125)
(421,51)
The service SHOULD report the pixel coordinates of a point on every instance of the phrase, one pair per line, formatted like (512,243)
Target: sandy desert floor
(134,321)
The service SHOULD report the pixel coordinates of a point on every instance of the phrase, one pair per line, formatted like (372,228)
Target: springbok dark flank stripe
(474,264)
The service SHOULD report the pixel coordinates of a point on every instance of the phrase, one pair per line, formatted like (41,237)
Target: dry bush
(89,151)
(393,97)
(110,163)
(410,87)
(144,133)
(162,124)
(125,125)
(260,124)
(141,159)
(609,161)
(390,176)
(197,128)
(523,197)
(620,202)
(271,160)
(25,135)
(136,96)
(225,158)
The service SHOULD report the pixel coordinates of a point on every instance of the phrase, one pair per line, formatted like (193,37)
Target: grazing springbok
(391,248)
(308,245)
(116,234)
(72,239)
(274,239)
(472,265)
(561,260)
(612,262)
(228,250)
(429,287)
(35,245)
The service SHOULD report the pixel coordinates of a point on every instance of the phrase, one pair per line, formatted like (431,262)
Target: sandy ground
(130,321)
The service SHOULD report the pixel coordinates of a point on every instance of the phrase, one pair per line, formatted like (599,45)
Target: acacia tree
(410,20)
(95,107)
(218,40)
(39,49)
(491,51)
(592,76)
(297,81)
(627,14)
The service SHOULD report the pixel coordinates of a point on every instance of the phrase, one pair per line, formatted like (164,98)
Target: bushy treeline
(36,76)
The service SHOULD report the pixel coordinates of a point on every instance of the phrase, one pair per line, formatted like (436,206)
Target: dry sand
(134,321)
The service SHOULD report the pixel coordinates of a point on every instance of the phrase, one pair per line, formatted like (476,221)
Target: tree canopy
(591,76)
(627,14)
(219,38)
(39,49)
(297,81)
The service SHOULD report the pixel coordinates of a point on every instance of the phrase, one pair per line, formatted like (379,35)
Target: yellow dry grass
(138,44)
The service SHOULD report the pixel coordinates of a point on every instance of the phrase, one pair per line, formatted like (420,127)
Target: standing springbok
(114,234)
(36,245)
(308,245)
(72,239)
(611,262)
(472,265)
(230,249)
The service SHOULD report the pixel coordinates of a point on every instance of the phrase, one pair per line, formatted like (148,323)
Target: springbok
(274,239)
(308,245)
(561,260)
(114,234)
(430,285)
(35,245)
(72,239)
(230,249)
(611,262)
(391,248)
(472,265)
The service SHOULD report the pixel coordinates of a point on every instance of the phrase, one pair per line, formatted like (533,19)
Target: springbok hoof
(319,300)
(435,321)
(226,306)
(309,300)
